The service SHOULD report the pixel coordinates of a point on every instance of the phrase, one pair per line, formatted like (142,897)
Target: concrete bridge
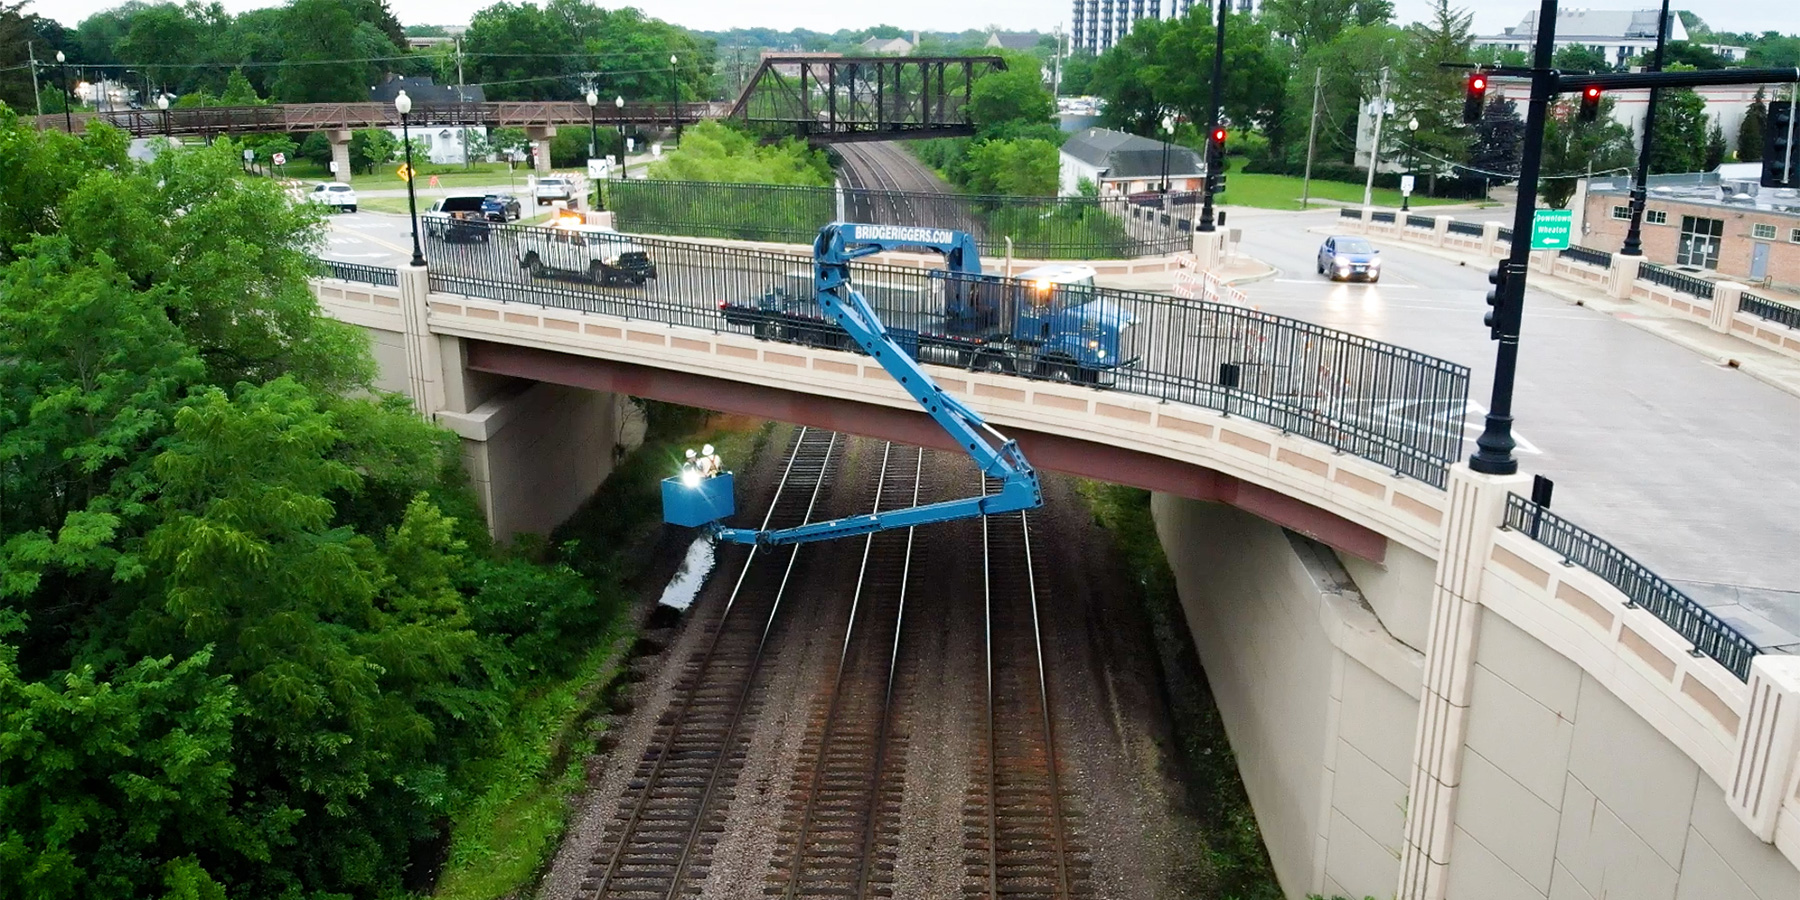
(1349,617)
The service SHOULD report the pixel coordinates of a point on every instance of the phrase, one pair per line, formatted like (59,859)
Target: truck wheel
(535,265)
(993,362)
(353,207)
(1060,368)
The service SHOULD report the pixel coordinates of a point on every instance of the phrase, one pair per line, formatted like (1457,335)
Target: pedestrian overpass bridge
(1625,742)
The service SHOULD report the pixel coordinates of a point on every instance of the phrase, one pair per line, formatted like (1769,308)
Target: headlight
(1340,260)
(1100,354)
(1093,345)
(612,260)
(1043,285)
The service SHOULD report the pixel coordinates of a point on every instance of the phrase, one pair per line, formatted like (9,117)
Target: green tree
(1315,23)
(712,151)
(1679,142)
(1575,149)
(1152,72)
(239,91)
(316,34)
(1425,90)
(1077,74)
(1498,137)
(1023,168)
(371,149)
(1716,149)
(1750,131)
(1349,70)
(1012,102)
(1580,58)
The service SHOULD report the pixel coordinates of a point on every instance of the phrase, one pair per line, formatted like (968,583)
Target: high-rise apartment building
(1096,25)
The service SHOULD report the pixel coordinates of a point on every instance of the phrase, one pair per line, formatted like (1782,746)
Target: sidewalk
(1775,369)
(1239,269)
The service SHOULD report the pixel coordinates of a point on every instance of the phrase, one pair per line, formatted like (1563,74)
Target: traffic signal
(1473,97)
(1590,103)
(1497,278)
(1215,160)
(1218,138)
(1778,158)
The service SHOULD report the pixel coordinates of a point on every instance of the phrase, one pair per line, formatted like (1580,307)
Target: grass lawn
(1283,191)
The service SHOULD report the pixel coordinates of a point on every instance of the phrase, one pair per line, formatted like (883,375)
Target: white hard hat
(707,449)
(690,453)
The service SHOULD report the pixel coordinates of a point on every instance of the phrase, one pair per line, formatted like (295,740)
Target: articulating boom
(838,244)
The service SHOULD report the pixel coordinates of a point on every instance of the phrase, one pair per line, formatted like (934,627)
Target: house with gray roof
(1123,163)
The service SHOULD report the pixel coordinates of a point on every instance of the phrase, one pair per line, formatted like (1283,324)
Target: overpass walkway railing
(1399,408)
(1710,635)
(1040,227)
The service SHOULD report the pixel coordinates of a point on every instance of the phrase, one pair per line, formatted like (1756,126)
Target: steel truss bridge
(821,97)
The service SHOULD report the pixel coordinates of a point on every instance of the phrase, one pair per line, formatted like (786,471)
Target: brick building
(1709,222)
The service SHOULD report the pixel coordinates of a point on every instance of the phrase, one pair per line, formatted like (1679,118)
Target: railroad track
(842,829)
(672,814)
(889,187)
(1017,835)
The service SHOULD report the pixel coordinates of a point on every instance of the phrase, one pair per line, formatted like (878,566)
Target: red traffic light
(1218,135)
(1477,83)
(1593,93)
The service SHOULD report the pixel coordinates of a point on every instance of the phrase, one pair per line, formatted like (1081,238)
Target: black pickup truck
(457,219)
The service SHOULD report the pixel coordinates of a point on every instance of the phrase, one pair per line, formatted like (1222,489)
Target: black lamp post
(619,104)
(674,100)
(1218,100)
(68,94)
(1634,245)
(403,104)
(1412,159)
(593,100)
(1168,127)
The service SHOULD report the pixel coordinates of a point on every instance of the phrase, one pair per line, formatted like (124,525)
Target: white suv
(335,193)
(552,188)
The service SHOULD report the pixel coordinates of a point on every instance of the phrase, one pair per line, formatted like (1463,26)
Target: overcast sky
(957,15)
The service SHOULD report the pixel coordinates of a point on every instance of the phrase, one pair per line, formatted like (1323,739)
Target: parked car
(457,219)
(600,255)
(335,193)
(1349,257)
(501,207)
(553,188)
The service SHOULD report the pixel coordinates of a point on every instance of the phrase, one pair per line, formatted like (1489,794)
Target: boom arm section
(996,455)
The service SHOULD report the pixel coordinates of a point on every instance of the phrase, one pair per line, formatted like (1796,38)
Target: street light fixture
(1634,233)
(403,105)
(619,104)
(1168,127)
(1412,158)
(68,95)
(674,100)
(162,103)
(593,102)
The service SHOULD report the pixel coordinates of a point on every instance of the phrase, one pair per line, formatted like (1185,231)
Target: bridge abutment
(340,152)
(540,136)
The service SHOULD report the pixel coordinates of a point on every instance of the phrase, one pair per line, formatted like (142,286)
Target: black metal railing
(1676,281)
(1506,234)
(1110,227)
(1427,222)
(1472,229)
(1346,212)
(1588,255)
(359,272)
(1709,634)
(1401,409)
(1770,310)
(1379,216)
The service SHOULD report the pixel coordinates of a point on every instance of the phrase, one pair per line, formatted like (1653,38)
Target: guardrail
(1040,227)
(1345,212)
(1425,222)
(1588,255)
(1678,281)
(1709,634)
(377,275)
(1399,408)
(1379,216)
(1770,310)
(1472,229)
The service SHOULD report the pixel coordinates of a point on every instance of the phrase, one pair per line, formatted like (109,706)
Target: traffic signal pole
(1493,455)
(1212,125)
(1634,244)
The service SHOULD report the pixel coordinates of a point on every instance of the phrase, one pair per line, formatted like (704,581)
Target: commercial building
(1715,223)
(1617,35)
(1096,25)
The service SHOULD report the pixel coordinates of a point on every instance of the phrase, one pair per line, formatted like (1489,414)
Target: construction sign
(434,181)
(405,172)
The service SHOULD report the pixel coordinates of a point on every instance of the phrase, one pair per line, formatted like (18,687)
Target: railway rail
(844,814)
(670,818)
(887,187)
(1017,834)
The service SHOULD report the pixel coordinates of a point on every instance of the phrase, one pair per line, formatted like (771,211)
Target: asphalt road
(1688,466)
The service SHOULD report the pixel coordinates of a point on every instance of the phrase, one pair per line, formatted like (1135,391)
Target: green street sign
(1550,229)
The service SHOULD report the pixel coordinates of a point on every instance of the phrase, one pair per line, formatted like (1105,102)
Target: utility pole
(1375,148)
(1056,65)
(1634,245)
(31,51)
(1312,130)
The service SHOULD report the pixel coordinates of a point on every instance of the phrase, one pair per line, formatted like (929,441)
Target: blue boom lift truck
(694,500)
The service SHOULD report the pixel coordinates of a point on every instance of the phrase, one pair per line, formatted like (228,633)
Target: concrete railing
(1621,278)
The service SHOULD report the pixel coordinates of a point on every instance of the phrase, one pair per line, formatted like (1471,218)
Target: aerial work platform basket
(693,500)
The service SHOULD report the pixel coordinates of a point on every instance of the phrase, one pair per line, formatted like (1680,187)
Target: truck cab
(457,219)
(600,255)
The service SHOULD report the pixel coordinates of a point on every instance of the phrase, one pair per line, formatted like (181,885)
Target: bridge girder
(828,99)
